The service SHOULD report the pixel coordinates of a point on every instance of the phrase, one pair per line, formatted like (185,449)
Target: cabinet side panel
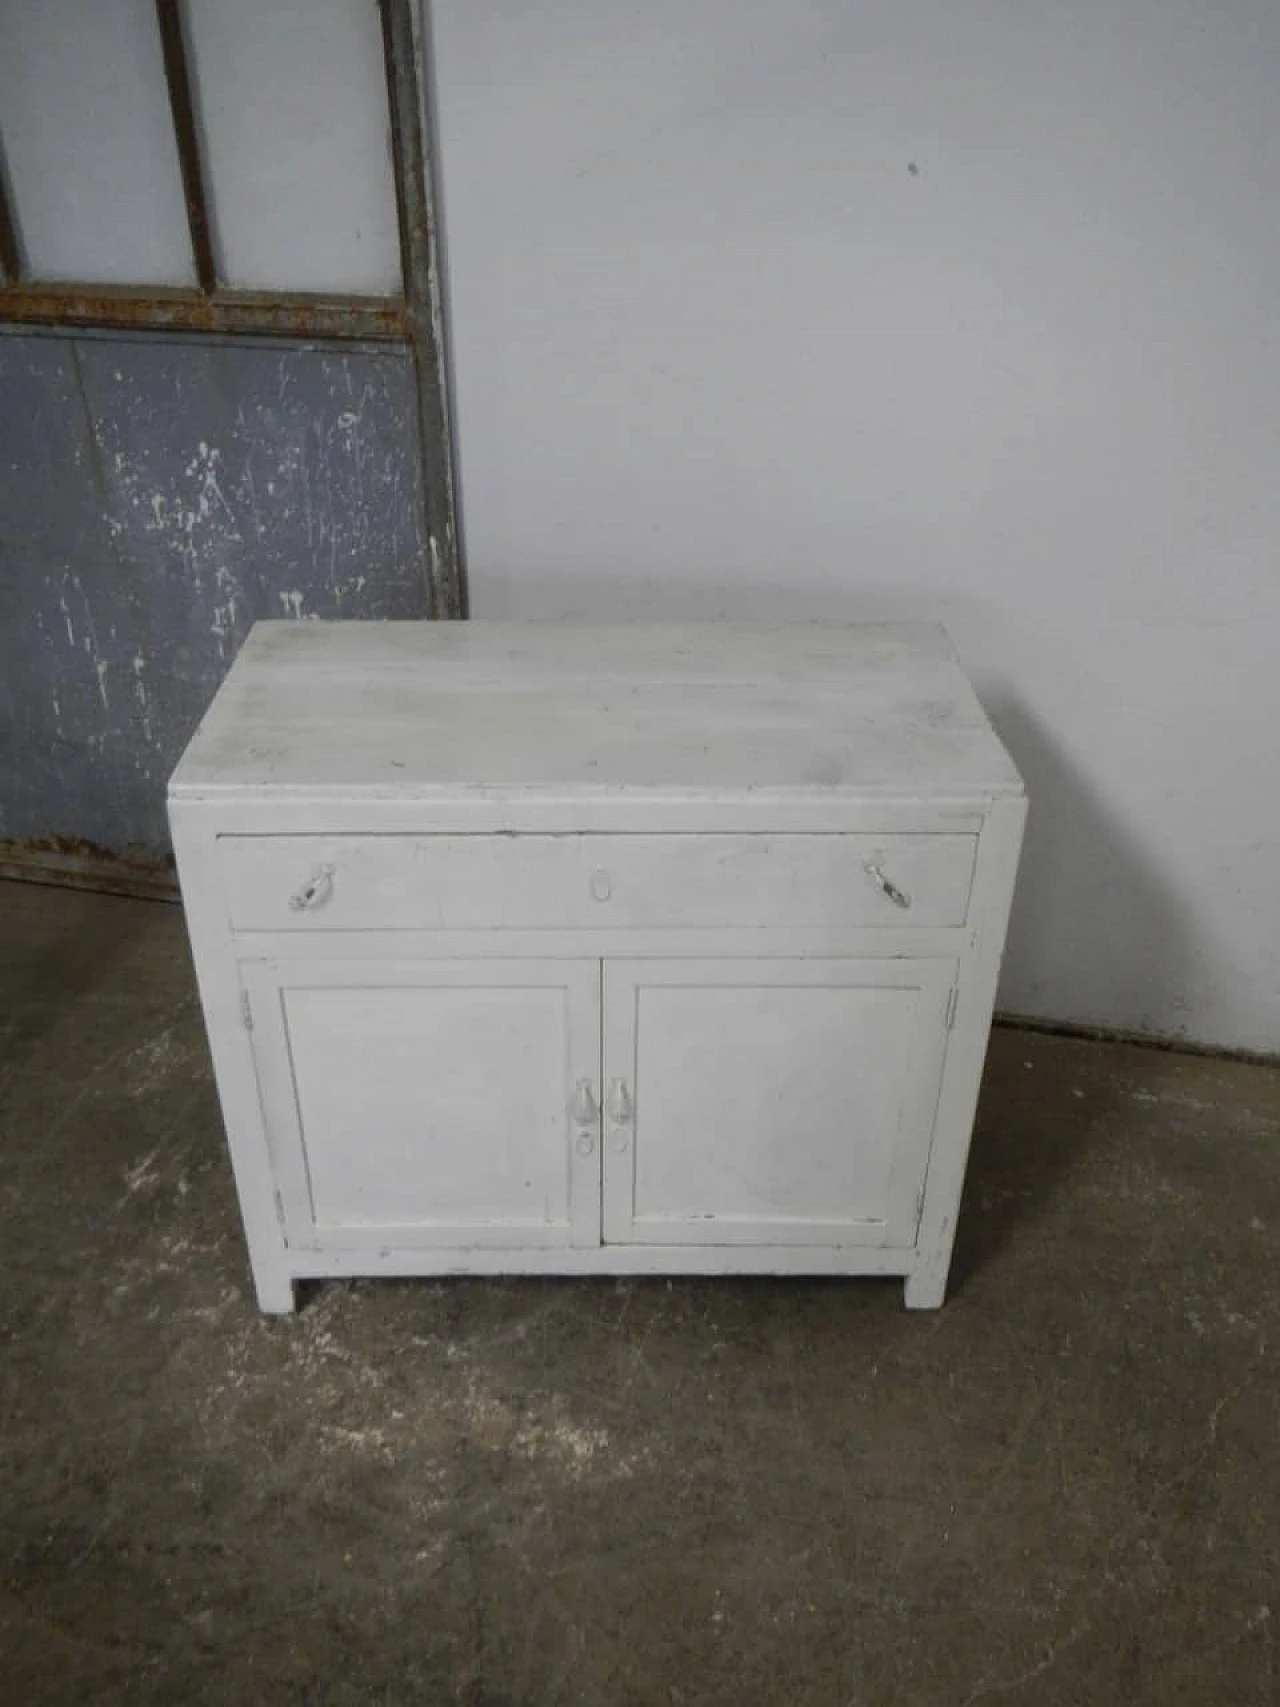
(998,850)
(195,849)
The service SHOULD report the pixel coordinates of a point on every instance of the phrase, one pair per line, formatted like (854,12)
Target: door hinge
(279,1208)
(952,999)
(246,1011)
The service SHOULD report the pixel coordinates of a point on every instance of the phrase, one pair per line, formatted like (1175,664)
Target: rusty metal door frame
(404,45)
(413,320)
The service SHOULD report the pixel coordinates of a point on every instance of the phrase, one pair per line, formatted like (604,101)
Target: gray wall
(157,495)
(958,308)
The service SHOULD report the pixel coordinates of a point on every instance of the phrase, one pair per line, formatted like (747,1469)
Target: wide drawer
(568,882)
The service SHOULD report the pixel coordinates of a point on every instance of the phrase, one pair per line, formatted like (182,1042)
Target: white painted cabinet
(569,950)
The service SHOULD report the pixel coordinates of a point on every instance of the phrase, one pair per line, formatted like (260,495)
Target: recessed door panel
(772,1101)
(431,1102)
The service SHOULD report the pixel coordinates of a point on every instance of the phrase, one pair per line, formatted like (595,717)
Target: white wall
(719,349)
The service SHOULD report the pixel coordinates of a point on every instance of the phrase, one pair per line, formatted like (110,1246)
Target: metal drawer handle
(314,892)
(899,897)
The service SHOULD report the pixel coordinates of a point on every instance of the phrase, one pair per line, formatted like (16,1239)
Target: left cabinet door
(430,1102)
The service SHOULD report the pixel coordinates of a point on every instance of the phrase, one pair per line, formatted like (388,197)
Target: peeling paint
(140,691)
(236,482)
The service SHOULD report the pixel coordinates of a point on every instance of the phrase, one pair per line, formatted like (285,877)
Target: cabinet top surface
(443,710)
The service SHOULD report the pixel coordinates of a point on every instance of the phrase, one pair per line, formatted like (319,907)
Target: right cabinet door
(770,1102)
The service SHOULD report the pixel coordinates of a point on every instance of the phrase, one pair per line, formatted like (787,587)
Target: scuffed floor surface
(1062,1489)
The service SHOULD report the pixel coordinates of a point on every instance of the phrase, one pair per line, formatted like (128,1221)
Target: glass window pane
(293,104)
(88,140)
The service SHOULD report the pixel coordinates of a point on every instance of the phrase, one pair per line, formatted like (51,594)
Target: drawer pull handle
(619,1104)
(315,892)
(582,1109)
(899,897)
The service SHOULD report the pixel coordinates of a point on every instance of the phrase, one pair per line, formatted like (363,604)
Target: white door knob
(618,1106)
(582,1105)
(601,885)
(585,1115)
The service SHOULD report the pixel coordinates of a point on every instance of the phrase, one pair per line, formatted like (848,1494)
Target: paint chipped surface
(159,496)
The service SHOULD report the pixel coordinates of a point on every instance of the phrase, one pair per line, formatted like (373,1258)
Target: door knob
(618,1106)
(582,1109)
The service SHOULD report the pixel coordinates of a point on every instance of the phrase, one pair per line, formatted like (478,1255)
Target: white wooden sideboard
(548,948)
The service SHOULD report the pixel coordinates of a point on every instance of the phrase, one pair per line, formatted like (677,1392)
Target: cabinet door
(777,1102)
(433,1102)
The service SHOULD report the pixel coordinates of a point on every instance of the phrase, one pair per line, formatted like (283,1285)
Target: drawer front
(610,882)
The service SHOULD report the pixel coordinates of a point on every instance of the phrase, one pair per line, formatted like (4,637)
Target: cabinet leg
(924,1291)
(275,1291)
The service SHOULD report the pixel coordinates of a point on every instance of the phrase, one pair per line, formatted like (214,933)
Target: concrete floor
(1063,1488)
